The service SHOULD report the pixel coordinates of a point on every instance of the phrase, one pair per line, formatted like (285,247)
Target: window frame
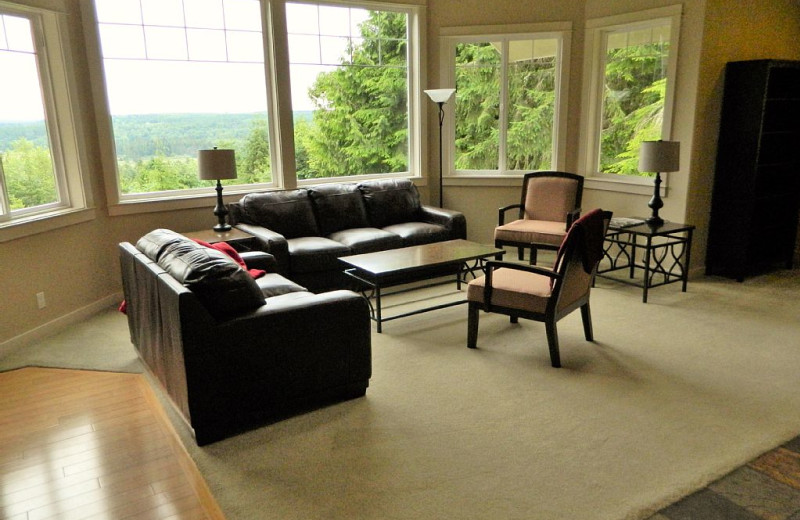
(452,36)
(597,31)
(51,41)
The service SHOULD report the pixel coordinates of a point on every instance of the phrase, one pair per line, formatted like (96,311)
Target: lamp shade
(216,164)
(660,156)
(440,95)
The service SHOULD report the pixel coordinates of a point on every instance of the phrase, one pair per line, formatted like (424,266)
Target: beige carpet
(672,394)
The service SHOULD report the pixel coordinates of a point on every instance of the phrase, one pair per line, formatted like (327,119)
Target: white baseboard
(58,324)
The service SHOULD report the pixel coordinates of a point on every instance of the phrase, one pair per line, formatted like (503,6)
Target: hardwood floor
(88,445)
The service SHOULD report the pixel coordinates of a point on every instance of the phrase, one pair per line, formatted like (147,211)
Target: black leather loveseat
(233,352)
(308,229)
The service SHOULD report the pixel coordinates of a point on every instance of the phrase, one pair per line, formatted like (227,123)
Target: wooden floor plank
(79,444)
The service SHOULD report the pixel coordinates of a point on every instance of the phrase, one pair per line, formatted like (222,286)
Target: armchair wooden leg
(514,319)
(586,315)
(473,314)
(520,253)
(533,256)
(552,343)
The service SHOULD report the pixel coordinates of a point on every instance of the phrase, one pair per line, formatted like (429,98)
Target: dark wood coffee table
(377,271)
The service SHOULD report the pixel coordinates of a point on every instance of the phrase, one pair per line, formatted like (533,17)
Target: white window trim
(452,35)
(61,106)
(594,61)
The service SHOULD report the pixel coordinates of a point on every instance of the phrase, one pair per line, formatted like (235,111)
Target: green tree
(360,122)
(28,171)
(255,164)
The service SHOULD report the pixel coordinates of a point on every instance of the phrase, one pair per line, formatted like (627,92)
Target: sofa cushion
(155,242)
(337,207)
(312,254)
(418,233)
(289,213)
(273,284)
(390,201)
(367,240)
(221,285)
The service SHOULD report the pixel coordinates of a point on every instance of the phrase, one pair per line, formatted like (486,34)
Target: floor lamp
(440,96)
(658,156)
(217,164)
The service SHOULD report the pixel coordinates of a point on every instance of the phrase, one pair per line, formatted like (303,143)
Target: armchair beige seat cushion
(531,232)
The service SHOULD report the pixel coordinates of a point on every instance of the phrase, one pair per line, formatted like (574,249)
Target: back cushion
(390,201)
(289,213)
(338,207)
(221,285)
(550,198)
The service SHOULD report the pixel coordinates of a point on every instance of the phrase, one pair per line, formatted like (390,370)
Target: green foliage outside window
(28,172)
(530,114)
(633,107)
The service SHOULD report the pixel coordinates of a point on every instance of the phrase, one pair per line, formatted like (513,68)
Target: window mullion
(502,161)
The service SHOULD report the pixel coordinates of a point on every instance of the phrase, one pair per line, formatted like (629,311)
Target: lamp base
(220,211)
(222,228)
(654,221)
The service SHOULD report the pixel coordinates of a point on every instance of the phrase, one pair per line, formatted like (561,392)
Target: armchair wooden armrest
(572,216)
(494,264)
(501,213)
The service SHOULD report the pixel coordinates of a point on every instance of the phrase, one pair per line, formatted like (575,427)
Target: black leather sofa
(308,229)
(233,352)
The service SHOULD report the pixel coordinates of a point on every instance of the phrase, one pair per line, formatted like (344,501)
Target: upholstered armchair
(539,294)
(549,204)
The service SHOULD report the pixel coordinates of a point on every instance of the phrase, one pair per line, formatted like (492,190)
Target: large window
(632,64)
(508,101)
(183,75)
(350,80)
(39,170)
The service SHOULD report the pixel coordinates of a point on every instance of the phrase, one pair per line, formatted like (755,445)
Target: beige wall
(77,267)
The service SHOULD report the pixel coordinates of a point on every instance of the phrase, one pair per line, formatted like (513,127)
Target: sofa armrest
(261,364)
(270,242)
(260,260)
(453,220)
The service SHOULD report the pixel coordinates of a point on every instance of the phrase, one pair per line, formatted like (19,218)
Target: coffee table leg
(378,306)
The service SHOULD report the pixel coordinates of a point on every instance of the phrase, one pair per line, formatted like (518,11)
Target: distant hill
(142,136)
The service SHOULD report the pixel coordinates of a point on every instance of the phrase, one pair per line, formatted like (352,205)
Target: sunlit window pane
(349,90)
(477,106)
(163,12)
(27,163)
(200,86)
(634,90)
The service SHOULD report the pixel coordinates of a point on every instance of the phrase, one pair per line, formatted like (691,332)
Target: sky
(131,30)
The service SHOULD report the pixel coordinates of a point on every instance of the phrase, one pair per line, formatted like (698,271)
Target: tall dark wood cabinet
(754,209)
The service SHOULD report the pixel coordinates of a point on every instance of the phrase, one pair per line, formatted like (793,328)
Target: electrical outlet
(40,301)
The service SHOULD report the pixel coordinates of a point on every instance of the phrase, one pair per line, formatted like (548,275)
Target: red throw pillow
(226,248)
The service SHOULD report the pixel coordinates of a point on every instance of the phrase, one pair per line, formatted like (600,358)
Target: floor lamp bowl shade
(658,157)
(440,95)
(217,164)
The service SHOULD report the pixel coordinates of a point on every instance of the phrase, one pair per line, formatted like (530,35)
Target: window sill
(632,185)
(35,224)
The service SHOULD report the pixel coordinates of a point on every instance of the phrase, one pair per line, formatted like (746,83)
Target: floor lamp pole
(441,173)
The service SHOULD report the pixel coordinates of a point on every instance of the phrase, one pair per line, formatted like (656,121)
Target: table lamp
(217,164)
(658,156)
